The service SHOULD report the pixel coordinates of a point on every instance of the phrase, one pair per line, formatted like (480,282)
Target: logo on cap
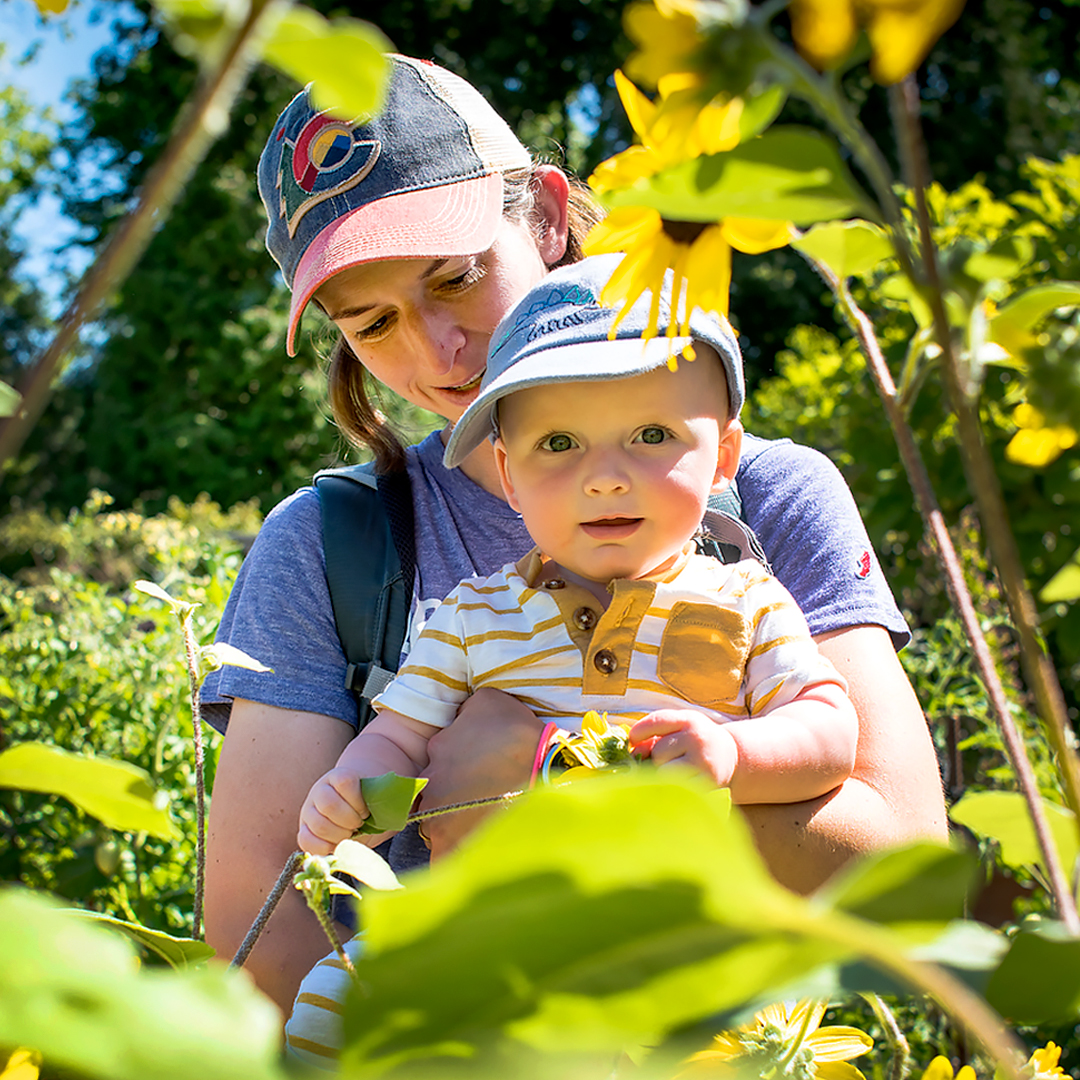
(325,159)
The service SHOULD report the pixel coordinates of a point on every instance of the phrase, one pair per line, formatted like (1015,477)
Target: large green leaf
(1003,816)
(343,58)
(389,799)
(787,174)
(1011,326)
(76,993)
(117,794)
(1039,979)
(847,248)
(591,917)
(178,953)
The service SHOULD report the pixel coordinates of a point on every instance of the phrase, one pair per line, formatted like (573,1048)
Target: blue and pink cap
(422,179)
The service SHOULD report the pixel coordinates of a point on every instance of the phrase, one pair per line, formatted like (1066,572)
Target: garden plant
(623,924)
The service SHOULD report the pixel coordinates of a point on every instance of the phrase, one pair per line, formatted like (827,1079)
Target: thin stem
(191,653)
(288,872)
(900,1062)
(328,929)
(472,804)
(198,125)
(962,388)
(931,514)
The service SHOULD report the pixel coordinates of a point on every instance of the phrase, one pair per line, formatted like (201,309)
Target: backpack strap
(367,525)
(724,535)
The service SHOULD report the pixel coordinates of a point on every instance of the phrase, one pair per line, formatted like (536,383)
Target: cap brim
(452,219)
(621,358)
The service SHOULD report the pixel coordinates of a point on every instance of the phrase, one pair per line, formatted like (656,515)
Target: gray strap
(378,679)
(734,539)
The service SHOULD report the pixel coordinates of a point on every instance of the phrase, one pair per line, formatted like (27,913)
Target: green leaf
(847,248)
(786,174)
(1013,323)
(919,883)
(1064,586)
(221,653)
(1039,979)
(1002,261)
(760,111)
(367,866)
(1003,816)
(344,59)
(76,993)
(117,794)
(9,400)
(389,798)
(150,588)
(178,953)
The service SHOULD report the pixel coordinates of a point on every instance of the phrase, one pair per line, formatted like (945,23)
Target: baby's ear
(502,464)
(727,458)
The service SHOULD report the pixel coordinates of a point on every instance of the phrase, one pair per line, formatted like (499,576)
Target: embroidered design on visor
(324,160)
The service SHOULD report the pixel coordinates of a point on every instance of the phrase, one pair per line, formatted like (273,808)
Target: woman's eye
(374,330)
(653,435)
(465,280)
(558,443)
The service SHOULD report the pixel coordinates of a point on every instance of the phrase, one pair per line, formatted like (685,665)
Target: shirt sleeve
(802,511)
(783,659)
(279,612)
(436,680)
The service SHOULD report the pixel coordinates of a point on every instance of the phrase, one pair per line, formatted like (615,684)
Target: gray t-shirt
(279,611)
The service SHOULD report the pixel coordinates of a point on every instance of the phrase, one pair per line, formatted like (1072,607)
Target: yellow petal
(837,1070)
(639,109)
(752,236)
(939,1069)
(966,1073)
(22,1065)
(592,723)
(1045,1061)
(666,38)
(625,169)
(1038,447)
(839,1043)
(902,32)
(717,127)
(824,30)
(708,270)
(623,228)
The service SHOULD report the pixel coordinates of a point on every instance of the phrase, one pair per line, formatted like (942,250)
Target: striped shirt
(727,639)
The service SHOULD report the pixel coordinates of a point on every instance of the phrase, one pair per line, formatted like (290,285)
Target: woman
(416,233)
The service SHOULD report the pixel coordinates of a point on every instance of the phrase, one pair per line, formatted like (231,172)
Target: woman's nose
(438,340)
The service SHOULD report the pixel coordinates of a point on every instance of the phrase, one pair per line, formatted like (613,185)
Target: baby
(610,457)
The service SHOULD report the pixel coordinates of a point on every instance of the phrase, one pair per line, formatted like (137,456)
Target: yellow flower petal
(837,1070)
(667,37)
(1038,447)
(624,170)
(22,1065)
(708,270)
(902,32)
(824,30)
(640,111)
(752,236)
(966,1073)
(623,228)
(1043,1063)
(838,1043)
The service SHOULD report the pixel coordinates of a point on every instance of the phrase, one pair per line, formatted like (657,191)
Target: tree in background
(187,387)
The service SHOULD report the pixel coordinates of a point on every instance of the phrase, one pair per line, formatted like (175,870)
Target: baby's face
(612,478)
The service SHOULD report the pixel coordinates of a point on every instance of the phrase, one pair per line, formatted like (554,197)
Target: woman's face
(422,326)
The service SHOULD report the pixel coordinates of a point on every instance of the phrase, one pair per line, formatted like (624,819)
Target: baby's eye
(558,443)
(653,435)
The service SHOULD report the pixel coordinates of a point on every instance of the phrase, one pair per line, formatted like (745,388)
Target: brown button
(555,583)
(584,618)
(605,662)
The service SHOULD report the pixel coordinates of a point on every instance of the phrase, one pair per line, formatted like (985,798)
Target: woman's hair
(349,381)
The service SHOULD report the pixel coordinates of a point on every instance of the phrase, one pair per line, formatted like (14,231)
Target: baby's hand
(689,738)
(332,812)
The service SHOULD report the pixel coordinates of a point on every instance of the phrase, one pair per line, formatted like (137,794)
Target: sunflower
(941,1069)
(788,1039)
(1043,1063)
(901,32)
(674,129)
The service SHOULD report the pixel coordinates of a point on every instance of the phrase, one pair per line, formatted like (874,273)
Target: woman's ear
(504,475)
(552,192)
(727,458)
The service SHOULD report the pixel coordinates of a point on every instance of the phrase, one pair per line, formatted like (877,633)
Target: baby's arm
(334,808)
(798,751)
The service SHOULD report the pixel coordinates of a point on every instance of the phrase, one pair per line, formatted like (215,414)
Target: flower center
(683,232)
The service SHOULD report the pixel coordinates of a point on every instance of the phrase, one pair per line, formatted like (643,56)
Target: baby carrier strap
(368,537)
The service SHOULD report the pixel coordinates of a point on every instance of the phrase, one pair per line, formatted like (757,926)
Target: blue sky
(65,44)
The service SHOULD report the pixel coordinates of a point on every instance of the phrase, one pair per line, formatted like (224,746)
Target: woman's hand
(487,751)
(687,737)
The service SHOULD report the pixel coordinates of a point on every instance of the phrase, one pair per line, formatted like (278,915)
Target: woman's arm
(269,760)
(894,794)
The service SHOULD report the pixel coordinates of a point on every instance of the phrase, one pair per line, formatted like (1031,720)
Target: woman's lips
(614,528)
(466,387)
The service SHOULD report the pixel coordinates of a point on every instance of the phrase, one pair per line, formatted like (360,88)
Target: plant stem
(199,123)
(191,653)
(288,872)
(931,514)
(328,929)
(979,468)
(900,1062)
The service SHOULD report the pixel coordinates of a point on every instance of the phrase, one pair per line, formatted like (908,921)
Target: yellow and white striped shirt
(727,639)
